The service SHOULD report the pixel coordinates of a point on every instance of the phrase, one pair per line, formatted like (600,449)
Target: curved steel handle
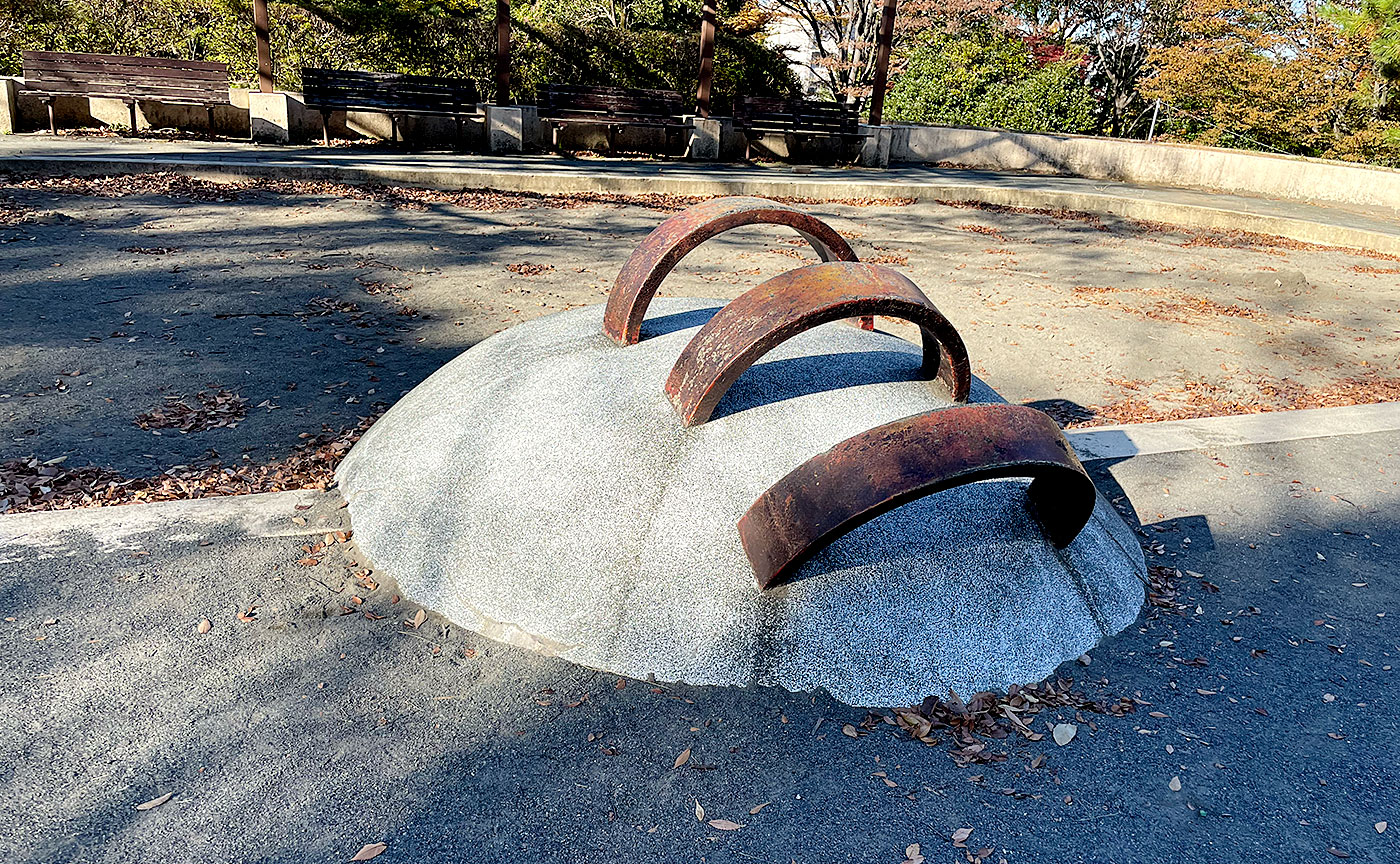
(761,318)
(673,239)
(878,470)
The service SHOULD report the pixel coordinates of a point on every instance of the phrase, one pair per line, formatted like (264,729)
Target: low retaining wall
(1187,166)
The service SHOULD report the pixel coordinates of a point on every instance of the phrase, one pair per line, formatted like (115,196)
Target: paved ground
(313,308)
(1365,227)
(296,733)
(303,734)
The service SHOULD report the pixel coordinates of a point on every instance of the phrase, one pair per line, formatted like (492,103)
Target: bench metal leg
(325,128)
(131,109)
(53,126)
(393,130)
(210,109)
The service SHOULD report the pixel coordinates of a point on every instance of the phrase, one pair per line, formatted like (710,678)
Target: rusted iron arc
(761,318)
(673,239)
(874,472)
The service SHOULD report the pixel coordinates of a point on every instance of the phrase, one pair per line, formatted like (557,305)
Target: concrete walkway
(1362,228)
(310,720)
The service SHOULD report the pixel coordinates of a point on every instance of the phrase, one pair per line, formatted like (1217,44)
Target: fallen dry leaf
(699,811)
(1333,849)
(849,731)
(1063,733)
(724,825)
(683,758)
(417,621)
(204,625)
(912,855)
(753,811)
(1380,827)
(368,851)
(960,836)
(1175,784)
(155,802)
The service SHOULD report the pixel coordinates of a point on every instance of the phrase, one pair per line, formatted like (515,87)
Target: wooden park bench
(49,74)
(328,90)
(757,116)
(612,107)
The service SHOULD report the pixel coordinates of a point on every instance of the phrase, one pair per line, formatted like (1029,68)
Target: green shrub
(990,80)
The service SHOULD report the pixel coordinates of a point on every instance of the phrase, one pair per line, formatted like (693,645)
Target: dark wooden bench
(612,107)
(757,116)
(328,90)
(49,74)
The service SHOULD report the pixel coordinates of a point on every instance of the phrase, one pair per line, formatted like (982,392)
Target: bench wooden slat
(347,89)
(124,73)
(564,102)
(142,94)
(61,59)
(199,82)
(797,116)
(213,87)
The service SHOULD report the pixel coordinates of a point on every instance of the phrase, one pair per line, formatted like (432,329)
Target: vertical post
(882,62)
(1152,129)
(503,52)
(261,30)
(708,16)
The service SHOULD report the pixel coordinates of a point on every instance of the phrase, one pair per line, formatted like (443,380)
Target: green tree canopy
(992,79)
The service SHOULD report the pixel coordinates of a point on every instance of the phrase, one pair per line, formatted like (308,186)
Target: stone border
(1238,430)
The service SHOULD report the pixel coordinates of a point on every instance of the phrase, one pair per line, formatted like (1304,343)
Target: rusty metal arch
(673,239)
(878,470)
(761,318)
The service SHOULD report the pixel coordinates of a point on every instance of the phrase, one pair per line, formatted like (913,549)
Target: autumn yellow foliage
(1256,74)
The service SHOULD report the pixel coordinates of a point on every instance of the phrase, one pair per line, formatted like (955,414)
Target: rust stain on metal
(878,470)
(673,239)
(761,318)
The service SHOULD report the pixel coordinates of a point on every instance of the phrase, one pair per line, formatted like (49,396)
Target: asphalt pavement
(316,726)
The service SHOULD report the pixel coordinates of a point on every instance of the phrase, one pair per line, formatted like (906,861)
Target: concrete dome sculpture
(689,490)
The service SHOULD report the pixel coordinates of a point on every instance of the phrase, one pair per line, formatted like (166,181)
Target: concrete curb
(680,182)
(1240,430)
(264,514)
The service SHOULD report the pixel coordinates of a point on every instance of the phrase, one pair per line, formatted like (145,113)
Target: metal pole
(882,63)
(708,16)
(502,52)
(261,30)
(1152,128)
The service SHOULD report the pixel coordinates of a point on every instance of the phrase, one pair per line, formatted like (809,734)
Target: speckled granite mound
(540,490)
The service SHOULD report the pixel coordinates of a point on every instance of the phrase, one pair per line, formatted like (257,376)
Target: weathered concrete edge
(1172,436)
(550,182)
(264,514)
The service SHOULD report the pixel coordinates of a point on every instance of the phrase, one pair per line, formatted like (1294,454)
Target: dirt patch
(31,484)
(169,183)
(212,410)
(1174,306)
(525,268)
(1145,403)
